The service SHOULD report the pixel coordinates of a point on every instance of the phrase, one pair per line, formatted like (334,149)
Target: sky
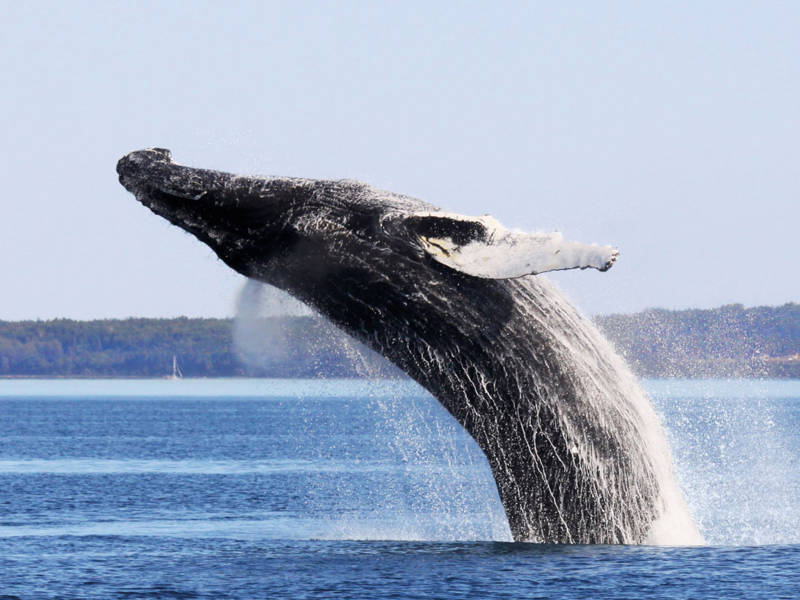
(668,129)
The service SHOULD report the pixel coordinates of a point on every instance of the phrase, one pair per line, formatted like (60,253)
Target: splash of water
(257,339)
(735,445)
(448,506)
(598,371)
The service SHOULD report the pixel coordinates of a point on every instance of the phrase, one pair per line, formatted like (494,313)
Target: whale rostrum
(576,450)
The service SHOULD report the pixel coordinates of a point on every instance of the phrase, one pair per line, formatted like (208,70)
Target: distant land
(730,341)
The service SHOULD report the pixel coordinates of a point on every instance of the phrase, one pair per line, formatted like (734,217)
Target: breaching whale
(576,450)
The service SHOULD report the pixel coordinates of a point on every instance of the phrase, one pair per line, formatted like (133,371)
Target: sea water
(358,489)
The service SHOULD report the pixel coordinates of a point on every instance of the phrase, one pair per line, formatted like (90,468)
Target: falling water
(606,397)
(460,504)
(598,373)
(258,341)
(736,450)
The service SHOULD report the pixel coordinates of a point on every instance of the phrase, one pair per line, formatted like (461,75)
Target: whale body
(576,450)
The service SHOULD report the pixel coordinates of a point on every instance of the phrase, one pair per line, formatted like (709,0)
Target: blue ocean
(358,489)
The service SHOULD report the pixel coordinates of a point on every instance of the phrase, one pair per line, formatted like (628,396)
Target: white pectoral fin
(557,254)
(499,253)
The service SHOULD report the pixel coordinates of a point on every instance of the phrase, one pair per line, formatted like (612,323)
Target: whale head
(238,217)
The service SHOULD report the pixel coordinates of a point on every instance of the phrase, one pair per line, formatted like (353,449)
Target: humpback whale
(576,450)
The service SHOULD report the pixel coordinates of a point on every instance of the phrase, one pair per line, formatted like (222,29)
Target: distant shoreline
(729,342)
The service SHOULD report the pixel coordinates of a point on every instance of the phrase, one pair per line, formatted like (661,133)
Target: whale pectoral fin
(482,247)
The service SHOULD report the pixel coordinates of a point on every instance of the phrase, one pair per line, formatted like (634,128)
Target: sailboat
(176,372)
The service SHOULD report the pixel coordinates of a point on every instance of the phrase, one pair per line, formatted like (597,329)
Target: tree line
(286,347)
(730,341)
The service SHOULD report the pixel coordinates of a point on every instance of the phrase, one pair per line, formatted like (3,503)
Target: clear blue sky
(668,129)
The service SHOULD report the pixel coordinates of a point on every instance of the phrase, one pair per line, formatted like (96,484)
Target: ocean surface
(358,489)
